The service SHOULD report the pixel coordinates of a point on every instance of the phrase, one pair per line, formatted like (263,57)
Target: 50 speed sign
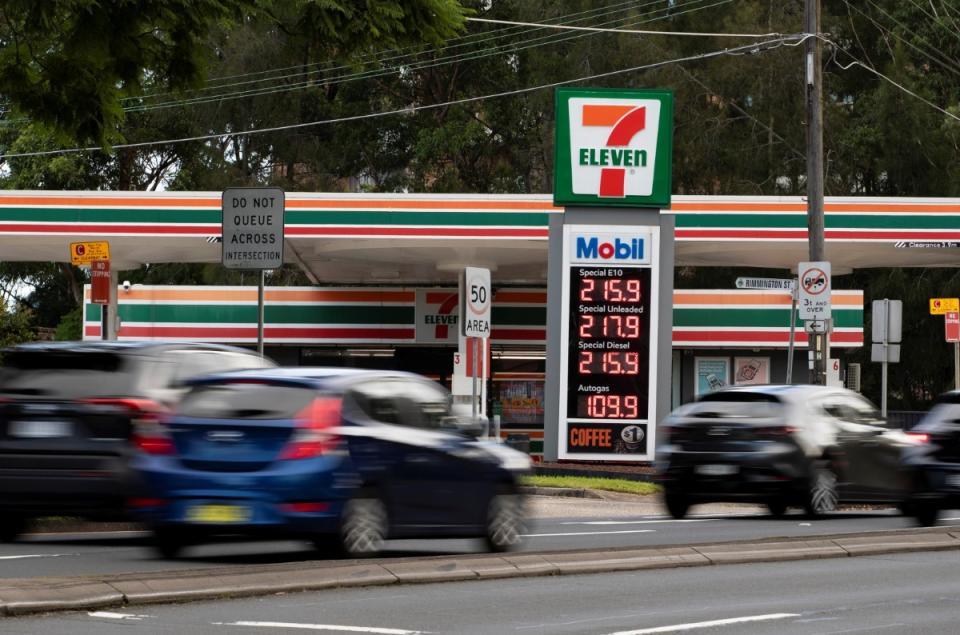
(475,298)
(814,290)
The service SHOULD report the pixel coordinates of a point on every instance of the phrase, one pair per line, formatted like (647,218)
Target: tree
(71,64)
(15,325)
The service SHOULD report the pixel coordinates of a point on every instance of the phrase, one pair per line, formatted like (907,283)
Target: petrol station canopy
(426,239)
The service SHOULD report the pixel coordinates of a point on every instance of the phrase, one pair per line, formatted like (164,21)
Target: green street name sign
(613,147)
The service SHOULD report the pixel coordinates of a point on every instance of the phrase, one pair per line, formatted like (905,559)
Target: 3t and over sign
(613,147)
(814,291)
(253,228)
(475,298)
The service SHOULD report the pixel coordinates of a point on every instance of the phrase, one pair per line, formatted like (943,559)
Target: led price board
(609,300)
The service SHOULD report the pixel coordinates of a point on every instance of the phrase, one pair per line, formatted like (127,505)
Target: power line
(416,66)
(477,38)
(857,62)
(628,31)
(753,47)
(887,30)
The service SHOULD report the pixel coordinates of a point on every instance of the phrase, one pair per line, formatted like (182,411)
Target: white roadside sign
(475,295)
(814,290)
(253,228)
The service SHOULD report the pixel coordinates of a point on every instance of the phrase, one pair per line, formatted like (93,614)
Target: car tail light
(919,437)
(140,503)
(313,435)
(305,507)
(148,420)
(775,432)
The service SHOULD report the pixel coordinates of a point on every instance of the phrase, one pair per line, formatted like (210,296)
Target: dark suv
(933,464)
(67,411)
(807,446)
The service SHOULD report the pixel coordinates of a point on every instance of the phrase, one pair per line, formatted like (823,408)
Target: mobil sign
(630,247)
(613,147)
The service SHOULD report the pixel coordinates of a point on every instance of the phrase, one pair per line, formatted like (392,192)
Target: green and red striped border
(719,218)
(310,315)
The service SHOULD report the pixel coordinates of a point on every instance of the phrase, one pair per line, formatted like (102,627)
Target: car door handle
(418,459)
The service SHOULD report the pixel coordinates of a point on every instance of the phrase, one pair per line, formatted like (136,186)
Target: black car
(67,412)
(933,463)
(807,446)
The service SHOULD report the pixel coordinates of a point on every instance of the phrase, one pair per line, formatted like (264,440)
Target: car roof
(312,376)
(787,391)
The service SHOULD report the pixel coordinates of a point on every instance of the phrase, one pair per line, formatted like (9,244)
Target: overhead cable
(754,47)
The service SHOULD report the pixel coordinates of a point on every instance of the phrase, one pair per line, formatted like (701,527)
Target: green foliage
(70,327)
(15,325)
(73,65)
(69,63)
(584,482)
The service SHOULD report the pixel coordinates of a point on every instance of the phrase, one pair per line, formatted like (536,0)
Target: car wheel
(777,508)
(363,526)
(506,521)
(11,527)
(926,513)
(822,495)
(169,542)
(677,504)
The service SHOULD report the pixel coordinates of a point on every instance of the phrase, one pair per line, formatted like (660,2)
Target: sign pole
(886,357)
(473,369)
(260,312)
(793,328)
(956,365)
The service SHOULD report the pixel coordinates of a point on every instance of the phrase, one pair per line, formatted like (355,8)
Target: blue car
(343,458)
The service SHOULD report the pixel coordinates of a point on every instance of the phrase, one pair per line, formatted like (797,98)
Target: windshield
(741,405)
(245,400)
(66,374)
(941,415)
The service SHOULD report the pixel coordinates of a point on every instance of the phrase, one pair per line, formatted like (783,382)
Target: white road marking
(324,627)
(38,555)
(693,625)
(637,522)
(592,533)
(117,616)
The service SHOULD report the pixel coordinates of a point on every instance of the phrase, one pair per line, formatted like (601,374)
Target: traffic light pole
(814,85)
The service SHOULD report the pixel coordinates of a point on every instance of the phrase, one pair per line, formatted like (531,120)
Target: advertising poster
(712,373)
(521,402)
(751,370)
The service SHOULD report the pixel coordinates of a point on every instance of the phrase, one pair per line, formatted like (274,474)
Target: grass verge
(589,482)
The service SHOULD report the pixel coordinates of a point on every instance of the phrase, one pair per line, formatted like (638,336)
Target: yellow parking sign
(942,306)
(87,252)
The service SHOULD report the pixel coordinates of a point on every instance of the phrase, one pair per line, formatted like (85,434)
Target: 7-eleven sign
(613,147)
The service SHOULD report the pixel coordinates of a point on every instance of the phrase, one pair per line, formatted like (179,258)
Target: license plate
(40,429)
(716,470)
(218,514)
(953,480)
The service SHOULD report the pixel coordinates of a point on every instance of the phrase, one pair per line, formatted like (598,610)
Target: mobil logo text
(611,248)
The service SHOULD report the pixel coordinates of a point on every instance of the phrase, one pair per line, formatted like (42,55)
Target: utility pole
(814,86)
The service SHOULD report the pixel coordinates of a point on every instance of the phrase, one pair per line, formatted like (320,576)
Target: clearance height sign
(610,300)
(613,147)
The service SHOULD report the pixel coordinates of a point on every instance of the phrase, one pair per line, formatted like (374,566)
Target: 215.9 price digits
(617,290)
(609,363)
